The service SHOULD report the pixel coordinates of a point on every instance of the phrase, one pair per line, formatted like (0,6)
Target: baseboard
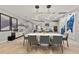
(3,41)
(74,40)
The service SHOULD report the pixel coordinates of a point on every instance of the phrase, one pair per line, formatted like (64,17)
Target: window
(8,23)
(14,24)
(5,23)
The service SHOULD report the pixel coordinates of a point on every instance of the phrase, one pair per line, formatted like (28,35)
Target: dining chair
(56,42)
(44,40)
(25,39)
(32,41)
(66,39)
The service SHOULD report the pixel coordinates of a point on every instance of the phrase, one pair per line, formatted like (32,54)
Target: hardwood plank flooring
(16,47)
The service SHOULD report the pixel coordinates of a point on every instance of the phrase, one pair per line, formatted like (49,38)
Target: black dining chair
(56,42)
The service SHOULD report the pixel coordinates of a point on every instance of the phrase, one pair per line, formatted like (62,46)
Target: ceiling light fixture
(37,6)
(48,7)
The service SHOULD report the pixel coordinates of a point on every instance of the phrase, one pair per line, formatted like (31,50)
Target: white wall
(4,36)
(77,26)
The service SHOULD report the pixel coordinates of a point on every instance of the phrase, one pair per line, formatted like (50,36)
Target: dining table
(44,34)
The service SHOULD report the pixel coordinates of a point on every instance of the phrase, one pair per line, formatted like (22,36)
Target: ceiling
(27,12)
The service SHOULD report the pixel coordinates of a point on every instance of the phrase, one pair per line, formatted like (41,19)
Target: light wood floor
(16,47)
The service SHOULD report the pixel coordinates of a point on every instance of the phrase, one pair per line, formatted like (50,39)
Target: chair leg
(50,49)
(61,48)
(67,44)
(23,42)
(28,48)
(63,41)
